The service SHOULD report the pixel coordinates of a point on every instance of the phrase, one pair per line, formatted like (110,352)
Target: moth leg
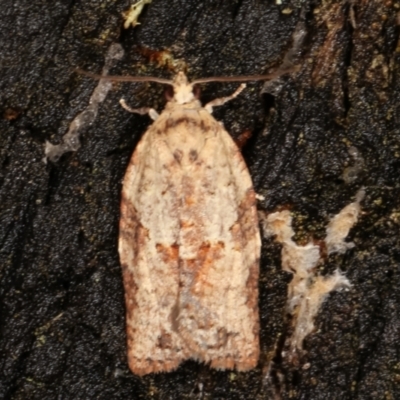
(242,139)
(153,114)
(218,102)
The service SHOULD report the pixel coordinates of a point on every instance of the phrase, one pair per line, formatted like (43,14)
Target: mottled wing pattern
(219,249)
(189,247)
(149,233)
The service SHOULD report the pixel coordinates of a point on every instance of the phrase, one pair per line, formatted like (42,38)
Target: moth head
(183,90)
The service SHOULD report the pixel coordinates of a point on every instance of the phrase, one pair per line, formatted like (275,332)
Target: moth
(189,240)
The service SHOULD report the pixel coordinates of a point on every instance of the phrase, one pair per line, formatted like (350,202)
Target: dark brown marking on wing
(131,231)
(203,126)
(174,317)
(206,256)
(165,341)
(193,155)
(169,254)
(246,226)
(178,154)
(245,231)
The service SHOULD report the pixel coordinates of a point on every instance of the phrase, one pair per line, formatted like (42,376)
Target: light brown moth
(189,239)
(189,243)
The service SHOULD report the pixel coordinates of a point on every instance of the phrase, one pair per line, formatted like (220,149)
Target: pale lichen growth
(301,261)
(131,16)
(308,290)
(340,225)
(279,224)
(70,141)
(310,304)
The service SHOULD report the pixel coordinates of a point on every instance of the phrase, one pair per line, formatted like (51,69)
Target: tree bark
(318,136)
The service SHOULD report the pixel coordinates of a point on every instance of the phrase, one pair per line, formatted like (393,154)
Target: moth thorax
(183,90)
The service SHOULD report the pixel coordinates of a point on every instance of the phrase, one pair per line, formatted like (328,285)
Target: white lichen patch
(311,301)
(301,261)
(131,16)
(308,290)
(70,141)
(278,224)
(340,225)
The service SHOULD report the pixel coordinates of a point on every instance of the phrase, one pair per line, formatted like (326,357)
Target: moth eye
(169,93)
(196,91)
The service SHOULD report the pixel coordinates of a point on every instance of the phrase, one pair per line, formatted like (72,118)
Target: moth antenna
(127,78)
(247,78)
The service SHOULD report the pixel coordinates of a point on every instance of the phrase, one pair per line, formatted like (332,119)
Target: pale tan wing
(219,245)
(148,248)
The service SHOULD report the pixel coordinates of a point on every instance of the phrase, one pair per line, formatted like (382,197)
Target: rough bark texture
(331,128)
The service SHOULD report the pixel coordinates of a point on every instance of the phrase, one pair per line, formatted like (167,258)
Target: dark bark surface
(330,129)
